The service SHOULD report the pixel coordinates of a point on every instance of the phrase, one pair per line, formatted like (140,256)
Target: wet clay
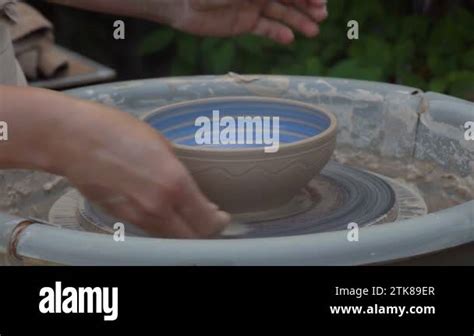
(439,188)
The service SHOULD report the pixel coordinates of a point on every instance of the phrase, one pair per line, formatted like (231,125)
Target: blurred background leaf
(156,41)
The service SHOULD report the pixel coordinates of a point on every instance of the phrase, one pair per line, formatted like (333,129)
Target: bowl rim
(322,137)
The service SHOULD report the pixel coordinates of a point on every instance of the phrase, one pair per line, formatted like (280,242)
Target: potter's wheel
(339,196)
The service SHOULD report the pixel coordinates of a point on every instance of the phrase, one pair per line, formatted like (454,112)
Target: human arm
(276,20)
(115,160)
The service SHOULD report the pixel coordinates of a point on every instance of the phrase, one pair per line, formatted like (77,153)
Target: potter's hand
(273,19)
(128,169)
(116,161)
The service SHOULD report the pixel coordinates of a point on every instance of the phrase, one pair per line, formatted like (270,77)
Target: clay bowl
(246,178)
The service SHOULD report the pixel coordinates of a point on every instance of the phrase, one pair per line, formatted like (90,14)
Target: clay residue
(28,193)
(440,188)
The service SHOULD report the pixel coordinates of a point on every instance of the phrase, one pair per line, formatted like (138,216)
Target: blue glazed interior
(296,123)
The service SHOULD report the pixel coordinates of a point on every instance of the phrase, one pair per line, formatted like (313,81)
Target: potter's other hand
(276,20)
(116,161)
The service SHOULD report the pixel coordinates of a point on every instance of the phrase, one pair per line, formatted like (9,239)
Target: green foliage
(156,41)
(432,53)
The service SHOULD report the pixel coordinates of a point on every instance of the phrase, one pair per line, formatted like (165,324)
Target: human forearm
(47,129)
(33,117)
